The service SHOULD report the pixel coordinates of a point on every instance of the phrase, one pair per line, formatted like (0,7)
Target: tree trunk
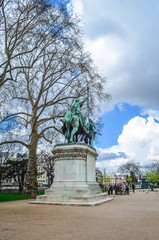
(20,187)
(31,187)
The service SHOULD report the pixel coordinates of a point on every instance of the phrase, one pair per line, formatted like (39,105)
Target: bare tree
(48,165)
(155,166)
(18,28)
(130,168)
(53,72)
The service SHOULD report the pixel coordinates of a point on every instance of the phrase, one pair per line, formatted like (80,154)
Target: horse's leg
(83,137)
(91,142)
(86,139)
(75,127)
(76,137)
(67,134)
(74,130)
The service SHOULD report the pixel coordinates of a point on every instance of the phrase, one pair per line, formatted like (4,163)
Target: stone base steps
(89,200)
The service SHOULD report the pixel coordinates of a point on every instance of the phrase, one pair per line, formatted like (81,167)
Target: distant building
(112,177)
(99,175)
(121,177)
(45,170)
(117,178)
(41,172)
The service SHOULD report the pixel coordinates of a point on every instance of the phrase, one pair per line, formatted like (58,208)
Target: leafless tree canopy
(48,165)
(130,167)
(43,68)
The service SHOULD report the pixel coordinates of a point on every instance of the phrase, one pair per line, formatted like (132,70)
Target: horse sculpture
(72,128)
(75,127)
(90,134)
(76,130)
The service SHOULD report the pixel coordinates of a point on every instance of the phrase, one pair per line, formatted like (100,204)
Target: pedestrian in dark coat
(133,187)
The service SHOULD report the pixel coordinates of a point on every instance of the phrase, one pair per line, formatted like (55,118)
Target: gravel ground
(134,216)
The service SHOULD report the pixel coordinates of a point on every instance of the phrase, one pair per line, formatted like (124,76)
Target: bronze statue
(75,128)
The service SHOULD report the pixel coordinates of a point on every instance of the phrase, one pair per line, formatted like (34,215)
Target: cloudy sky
(122,36)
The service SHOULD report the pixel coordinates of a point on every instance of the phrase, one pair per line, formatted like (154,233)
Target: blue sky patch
(114,122)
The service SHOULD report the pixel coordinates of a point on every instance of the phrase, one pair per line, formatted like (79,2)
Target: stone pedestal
(75,178)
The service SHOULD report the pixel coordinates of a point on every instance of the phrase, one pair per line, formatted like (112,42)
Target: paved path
(132,217)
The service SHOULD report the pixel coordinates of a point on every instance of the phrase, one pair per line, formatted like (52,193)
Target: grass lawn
(13,196)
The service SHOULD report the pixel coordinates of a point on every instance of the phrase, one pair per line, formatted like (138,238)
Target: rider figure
(76,109)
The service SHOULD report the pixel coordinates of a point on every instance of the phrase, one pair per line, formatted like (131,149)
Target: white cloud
(151,112)
(138,142)
(106,57)
(123,39)
(78,7)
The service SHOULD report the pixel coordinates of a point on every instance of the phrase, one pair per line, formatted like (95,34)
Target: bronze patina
(75,126)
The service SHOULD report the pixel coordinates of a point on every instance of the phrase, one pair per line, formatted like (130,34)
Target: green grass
(4,197)
(41,193)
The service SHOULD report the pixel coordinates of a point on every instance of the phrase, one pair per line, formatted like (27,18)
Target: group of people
(120,188)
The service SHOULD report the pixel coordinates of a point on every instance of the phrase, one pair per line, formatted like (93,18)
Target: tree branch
(15,141)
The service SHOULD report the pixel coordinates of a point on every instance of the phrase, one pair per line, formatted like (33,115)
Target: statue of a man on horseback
(75,128)
(76,109)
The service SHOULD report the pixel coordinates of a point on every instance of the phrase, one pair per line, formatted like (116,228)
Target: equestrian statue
(75,126)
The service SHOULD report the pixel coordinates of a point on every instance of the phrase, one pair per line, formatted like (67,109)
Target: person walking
(151,186)
(111,189)
(133,187)
(127,189)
